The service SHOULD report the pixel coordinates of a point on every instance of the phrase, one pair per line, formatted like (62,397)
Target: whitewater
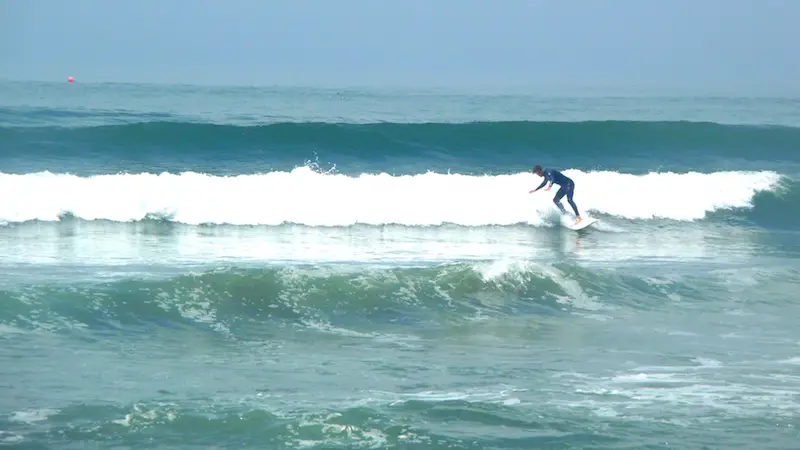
(308,197)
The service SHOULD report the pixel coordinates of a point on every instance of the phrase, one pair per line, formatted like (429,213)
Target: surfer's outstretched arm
(540,186)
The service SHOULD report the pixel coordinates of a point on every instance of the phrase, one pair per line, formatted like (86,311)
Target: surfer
(567,187)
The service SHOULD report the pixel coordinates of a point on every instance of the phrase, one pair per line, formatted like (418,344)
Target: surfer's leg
(557,199)
(570,193)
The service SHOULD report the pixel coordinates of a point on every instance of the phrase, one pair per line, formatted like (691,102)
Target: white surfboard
(570,223)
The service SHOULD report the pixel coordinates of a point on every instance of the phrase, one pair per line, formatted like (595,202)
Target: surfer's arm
(540,186)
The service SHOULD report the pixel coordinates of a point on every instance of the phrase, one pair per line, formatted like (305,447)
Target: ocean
(308,268)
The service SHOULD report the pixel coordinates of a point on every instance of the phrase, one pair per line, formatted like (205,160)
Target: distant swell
(479,146)
(548,136)
(306,197)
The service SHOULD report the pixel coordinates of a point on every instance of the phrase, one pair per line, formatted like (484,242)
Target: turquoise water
(197,267)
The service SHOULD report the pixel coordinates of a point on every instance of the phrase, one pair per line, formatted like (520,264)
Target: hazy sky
(751,43)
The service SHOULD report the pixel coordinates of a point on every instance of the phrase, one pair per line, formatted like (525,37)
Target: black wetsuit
(567,187)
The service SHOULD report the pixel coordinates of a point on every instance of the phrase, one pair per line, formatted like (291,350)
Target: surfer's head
(538,170)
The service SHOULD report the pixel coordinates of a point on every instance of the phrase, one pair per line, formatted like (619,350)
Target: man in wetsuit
(567,187)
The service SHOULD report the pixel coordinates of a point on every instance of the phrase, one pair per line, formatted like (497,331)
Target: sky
(668,43)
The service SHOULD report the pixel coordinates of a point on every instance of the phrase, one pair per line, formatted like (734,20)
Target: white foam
(500,394)
(31,416)
(394,339)
(10,438)
(306,197)
(515,272)
(646,392)
(8,329)
(332,433)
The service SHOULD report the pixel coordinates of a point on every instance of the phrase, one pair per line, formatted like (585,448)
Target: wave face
(242,301)
(306,197)
(153,145)
(421,357)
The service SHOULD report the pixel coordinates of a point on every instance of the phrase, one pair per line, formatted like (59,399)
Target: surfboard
(569,223)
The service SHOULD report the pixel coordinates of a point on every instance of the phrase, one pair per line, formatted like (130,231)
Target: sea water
(202,267)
